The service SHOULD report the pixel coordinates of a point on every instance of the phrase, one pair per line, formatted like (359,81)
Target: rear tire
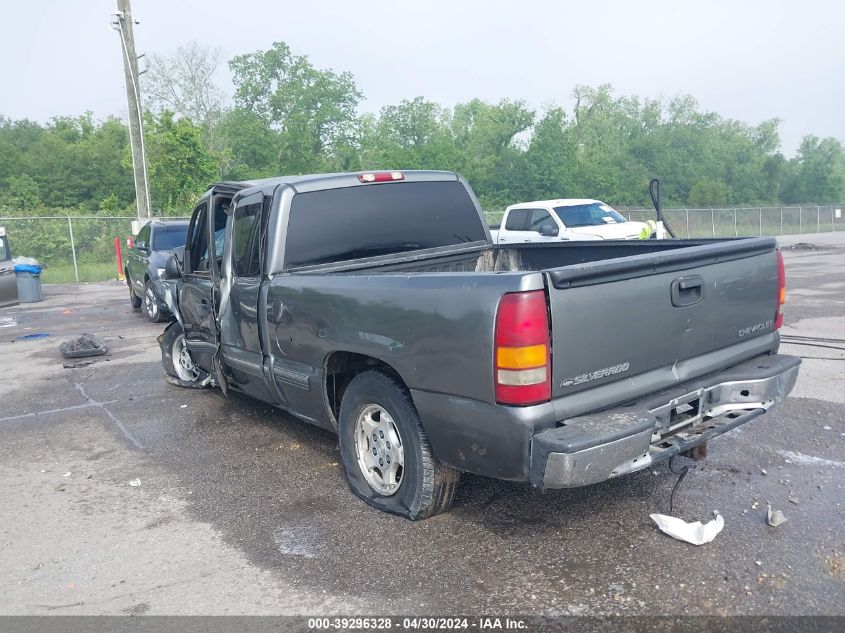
(133,298)
(379,427)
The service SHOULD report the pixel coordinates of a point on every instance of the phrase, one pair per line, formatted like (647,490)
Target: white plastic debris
(774,517)
(135,483)
(695,533)
(67,474)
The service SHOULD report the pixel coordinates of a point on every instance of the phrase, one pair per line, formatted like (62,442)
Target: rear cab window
(350,223)
(169,236)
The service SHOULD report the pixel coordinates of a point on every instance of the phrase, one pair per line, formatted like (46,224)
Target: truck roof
(560,202)
(312,182)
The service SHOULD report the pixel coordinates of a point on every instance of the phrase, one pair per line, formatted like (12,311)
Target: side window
(221,215)
(195,259)
(539,217)
(143,239)
(518,220)
(246,236)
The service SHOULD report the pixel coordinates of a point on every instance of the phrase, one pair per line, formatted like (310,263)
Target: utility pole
(122,22)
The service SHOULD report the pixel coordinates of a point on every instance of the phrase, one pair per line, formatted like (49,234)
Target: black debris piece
(83,346)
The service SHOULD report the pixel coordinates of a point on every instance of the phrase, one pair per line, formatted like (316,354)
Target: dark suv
(145,261)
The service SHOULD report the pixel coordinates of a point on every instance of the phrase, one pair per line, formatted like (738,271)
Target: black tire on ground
(134,299)
(167,342)
(152,310)
(427,487)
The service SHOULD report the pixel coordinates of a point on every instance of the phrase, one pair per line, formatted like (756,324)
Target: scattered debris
(826,428)
(183,406)
(8,321)
(695,533)
(82,346)
(67,474)
(77,365)
(763,471)
(135,483)
(774,517)
(793,500)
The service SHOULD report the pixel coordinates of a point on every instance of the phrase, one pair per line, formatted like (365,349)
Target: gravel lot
(243,510)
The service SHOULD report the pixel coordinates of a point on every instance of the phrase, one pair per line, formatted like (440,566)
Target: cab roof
(559,202)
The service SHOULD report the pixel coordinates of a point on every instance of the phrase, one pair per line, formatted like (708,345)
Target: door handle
(687,291)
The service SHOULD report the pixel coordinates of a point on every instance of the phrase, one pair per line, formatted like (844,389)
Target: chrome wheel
(185,367)
(378,445)
(150,303)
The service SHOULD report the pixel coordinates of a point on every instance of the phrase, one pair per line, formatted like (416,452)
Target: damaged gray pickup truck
(376,305)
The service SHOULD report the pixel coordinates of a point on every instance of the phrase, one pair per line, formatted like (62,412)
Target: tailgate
(614,319)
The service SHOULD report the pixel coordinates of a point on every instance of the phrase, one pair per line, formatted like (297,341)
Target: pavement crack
(117,422)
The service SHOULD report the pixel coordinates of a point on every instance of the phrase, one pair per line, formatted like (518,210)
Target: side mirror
(141,246)
(548,230)
(172,268)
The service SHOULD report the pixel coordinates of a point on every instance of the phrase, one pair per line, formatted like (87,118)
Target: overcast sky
(747,60)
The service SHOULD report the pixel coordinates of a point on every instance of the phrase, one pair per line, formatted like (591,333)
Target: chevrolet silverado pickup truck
(377,306)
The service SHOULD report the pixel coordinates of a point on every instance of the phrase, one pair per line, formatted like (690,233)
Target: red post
(119,259)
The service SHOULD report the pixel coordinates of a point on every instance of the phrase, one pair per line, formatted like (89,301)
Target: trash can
(29,283)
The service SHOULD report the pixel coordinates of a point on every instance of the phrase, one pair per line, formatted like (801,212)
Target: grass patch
(64,273)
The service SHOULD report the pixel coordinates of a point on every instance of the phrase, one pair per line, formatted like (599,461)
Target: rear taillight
(522,358)
(781,291)
(381,176)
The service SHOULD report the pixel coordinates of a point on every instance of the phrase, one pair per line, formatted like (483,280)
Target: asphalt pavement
(242,509)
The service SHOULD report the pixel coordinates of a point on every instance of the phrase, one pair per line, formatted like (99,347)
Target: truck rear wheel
(385,451)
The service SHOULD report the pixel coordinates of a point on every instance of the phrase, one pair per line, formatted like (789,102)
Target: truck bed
(545,256)
(614,311)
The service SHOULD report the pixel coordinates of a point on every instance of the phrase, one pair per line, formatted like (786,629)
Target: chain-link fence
(70,248)
(743,221)
(738,221)
(82,248)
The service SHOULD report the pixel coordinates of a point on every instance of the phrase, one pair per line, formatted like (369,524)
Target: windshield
(171,236)
(592,214)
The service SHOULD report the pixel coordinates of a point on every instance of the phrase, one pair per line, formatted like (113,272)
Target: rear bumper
(595,447)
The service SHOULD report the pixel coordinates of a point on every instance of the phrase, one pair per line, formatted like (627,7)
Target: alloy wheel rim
(152,306)
(379,449)
(185,367)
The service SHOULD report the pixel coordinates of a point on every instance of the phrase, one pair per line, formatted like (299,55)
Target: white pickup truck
(566,219)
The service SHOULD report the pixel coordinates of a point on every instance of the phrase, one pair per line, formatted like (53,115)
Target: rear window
(592,214)
(354,222)
(166,238)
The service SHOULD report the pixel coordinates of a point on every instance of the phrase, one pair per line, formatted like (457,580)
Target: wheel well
(341,368)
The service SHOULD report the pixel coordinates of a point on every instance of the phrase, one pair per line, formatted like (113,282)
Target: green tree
(709,193)
(817,173)
(313,111)
(180,168)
